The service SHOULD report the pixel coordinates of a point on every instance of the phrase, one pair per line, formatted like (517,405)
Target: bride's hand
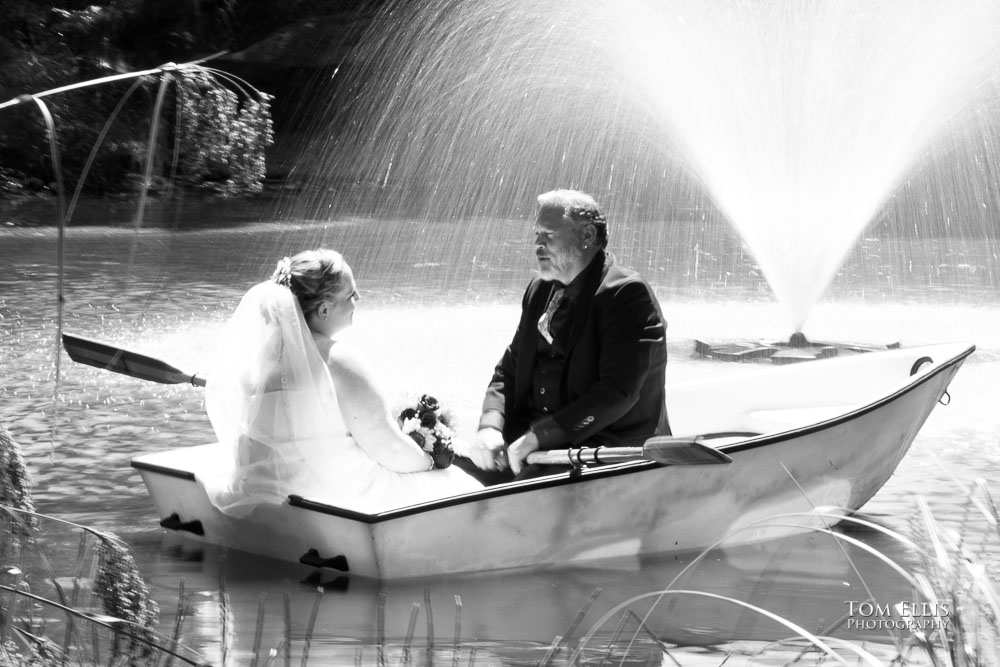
(486,450)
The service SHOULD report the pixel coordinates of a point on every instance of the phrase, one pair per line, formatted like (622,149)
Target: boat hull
(831,433)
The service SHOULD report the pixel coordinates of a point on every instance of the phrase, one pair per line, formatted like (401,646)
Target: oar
(101,355)
(669,450)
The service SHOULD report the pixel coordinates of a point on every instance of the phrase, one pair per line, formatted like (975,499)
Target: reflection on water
(516,617)
(438,306)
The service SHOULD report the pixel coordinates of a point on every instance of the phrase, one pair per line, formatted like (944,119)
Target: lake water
(439,303)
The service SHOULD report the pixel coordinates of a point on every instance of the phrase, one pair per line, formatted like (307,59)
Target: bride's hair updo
(312,276)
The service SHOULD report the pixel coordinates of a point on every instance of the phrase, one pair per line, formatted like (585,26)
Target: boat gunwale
(769,439)
(585,474)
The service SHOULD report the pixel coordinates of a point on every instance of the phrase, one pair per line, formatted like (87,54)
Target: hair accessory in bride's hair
(283,274)
(430,427)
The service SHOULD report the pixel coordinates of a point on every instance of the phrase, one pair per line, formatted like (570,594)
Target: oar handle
(585,456)
(668,450)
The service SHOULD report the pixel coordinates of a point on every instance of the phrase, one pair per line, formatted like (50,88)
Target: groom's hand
(487,450)
(517,453)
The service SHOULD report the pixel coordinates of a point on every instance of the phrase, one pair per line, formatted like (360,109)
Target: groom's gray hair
(579,207)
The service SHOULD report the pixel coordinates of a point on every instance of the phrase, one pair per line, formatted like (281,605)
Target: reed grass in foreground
(97,610)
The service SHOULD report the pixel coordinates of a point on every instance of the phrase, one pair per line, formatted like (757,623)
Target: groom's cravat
(545,321)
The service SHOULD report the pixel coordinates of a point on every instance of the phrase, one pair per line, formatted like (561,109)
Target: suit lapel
(581,309)
(528,343)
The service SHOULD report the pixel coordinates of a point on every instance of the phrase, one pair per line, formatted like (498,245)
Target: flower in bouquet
(430,427)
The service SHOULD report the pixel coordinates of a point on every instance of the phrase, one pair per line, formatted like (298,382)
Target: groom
(588,359)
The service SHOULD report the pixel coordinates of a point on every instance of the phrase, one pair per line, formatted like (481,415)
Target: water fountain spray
(796,120)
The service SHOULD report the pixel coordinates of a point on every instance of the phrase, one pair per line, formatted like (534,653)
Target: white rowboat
(823,434)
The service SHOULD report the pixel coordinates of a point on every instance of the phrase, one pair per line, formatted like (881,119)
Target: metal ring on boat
(943,396)
(597,450)
(919,363)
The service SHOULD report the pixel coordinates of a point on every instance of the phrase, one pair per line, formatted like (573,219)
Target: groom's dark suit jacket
(612,385)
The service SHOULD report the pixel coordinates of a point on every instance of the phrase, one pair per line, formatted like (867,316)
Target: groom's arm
(494,413)
(486,449)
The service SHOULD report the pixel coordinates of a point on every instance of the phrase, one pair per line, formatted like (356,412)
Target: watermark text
(911,616)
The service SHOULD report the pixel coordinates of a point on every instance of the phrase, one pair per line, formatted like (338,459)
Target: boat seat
(786,419)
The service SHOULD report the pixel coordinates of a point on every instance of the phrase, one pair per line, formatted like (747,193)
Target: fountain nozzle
(798,339)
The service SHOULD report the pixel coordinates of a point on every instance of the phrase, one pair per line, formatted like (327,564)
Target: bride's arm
(366,414)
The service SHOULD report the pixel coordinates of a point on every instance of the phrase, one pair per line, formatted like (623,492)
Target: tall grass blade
(310,628)
(659,595)
(551,652)
(258,629)
(934,535)
(78,191)
(288,627)
(652,635)
(71,630)
(581,613)
(224,611)
(380,626)
(9,612)
(410,629)
(430,619)
(147,175)
(614,638)
(991,507)
(458,630)
(179,618)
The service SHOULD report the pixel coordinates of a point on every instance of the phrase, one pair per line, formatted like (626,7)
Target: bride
(299,411)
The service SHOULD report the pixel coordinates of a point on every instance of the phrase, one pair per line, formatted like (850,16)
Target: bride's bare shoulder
(344,358)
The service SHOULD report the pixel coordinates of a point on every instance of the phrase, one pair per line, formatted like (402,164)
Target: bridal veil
(272,403)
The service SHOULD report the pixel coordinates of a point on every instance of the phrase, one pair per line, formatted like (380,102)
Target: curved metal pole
(60,258)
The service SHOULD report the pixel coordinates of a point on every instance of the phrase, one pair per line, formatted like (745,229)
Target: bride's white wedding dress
(273,406)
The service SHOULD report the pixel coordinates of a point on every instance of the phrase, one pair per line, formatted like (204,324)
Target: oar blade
(101,355)
(682,452)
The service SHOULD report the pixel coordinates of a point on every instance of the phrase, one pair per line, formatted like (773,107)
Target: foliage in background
(218,138)
(30,628)
(15,491)
(44,47)
(124,595)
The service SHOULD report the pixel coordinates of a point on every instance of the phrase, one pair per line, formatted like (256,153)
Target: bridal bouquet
(430,427)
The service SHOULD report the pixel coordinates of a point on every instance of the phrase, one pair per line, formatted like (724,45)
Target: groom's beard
(560,261)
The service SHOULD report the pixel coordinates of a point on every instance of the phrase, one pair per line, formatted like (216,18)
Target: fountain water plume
(797,120)
(802,117)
